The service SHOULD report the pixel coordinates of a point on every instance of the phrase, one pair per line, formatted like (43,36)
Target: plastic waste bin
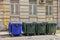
(24,27)
(30,28)
(51,28)
(15,28)
(41,28)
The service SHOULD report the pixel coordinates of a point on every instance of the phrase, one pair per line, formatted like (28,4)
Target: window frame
(1,0)
(14,1)
(49,8)
(13,9)
(33,5)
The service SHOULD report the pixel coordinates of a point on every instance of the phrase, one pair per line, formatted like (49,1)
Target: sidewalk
(57,33)
(7,33)
(5,36)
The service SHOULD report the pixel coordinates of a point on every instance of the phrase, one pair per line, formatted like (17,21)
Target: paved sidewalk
(5,36)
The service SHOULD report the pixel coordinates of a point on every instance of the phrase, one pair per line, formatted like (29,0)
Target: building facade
(30,11)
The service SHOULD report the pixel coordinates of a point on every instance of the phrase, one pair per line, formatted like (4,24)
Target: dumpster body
(24,27)
(51,28)
(15,28)
(30,28)
(41,28)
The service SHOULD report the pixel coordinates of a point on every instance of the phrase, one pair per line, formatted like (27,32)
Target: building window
(49,8)
(32,7)
(1,0)
(14,1)
(41,1)
(15,7)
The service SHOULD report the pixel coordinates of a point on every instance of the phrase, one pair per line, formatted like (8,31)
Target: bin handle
(16,25)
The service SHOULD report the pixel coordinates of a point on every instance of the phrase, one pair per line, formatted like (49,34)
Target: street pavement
(5,36)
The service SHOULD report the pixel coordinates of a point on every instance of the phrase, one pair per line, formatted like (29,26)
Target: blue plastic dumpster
(15,28)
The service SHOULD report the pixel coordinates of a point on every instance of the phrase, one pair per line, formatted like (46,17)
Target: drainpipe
(4,11)
(4,21)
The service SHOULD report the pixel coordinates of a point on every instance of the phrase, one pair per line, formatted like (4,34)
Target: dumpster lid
(38,22)
(27,22)
(16,22)
(52,22)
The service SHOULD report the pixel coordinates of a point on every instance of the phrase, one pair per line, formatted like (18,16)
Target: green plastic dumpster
(34,24)
(30,28)
(51,28)
(24,28)
(41,28)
